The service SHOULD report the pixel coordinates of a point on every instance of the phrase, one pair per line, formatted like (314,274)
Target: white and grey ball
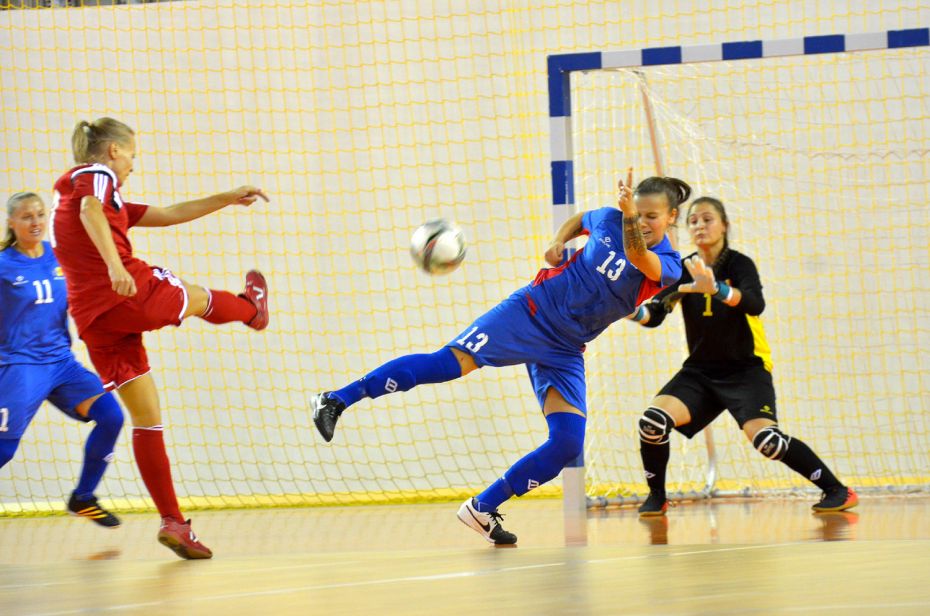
(438,246)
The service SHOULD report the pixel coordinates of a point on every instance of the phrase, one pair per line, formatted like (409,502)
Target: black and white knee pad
(771,442)
(655,425)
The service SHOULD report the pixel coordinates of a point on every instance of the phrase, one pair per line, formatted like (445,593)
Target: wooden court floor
(723,557)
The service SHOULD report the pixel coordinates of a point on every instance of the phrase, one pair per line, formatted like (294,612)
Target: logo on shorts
(59,273)
(767,410)
(531,484)
(650,475)
(390,385)
(19,280)
(816,475)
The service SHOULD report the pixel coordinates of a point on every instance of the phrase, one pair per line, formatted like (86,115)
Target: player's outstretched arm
(192,210)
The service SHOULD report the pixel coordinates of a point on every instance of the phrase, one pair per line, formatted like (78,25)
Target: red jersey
(89,289)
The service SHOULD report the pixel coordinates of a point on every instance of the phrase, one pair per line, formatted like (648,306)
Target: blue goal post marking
(561,66)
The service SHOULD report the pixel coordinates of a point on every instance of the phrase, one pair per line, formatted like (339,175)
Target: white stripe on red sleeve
(101,183)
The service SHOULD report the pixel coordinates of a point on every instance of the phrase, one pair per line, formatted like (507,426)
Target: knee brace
(771,442)
(655,425)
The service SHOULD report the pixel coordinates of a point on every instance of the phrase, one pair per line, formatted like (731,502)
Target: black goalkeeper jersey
(721,338)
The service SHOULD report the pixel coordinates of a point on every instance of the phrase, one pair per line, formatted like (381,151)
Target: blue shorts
(23,388)
(509,334)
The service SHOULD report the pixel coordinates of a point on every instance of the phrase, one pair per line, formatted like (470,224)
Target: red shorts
(114,339)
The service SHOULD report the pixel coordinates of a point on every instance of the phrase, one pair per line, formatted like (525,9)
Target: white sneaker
(485,524)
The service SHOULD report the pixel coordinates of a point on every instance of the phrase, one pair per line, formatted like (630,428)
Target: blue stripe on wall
(563,182)
(832,43)
(661,55)
(560,67)
(742,50)
(908,38)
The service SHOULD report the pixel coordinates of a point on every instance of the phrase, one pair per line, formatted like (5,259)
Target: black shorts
(747,394)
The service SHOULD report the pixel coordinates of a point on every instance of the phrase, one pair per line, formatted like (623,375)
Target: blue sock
(402,374)
(98,451)
(565,443)
(7,449)
(495,494)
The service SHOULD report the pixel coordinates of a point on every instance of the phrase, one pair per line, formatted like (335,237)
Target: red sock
(224,307)
(148,444)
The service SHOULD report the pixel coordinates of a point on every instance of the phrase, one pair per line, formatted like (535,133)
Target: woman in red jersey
(115,297)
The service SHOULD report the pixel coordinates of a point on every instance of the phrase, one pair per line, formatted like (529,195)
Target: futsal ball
(437,246)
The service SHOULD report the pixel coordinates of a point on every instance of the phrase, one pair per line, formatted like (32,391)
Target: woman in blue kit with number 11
(36,363)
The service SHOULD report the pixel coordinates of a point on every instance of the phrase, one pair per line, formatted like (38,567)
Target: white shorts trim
(163,273)
(133,378)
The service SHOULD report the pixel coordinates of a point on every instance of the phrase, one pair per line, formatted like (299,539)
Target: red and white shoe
(179,537)
(256,291)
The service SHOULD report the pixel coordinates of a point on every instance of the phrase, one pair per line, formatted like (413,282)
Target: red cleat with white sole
(256,291)
(179,537)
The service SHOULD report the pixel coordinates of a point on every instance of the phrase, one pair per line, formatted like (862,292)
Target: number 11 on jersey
(43,291)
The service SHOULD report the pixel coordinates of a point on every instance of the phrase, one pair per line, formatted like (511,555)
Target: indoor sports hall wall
(364,119)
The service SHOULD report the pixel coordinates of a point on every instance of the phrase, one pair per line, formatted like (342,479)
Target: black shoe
(837,499)
(91,510)
(655,505)
(488,525)
(326,412)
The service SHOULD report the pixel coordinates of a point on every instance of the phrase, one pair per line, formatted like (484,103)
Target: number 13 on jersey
(480,339)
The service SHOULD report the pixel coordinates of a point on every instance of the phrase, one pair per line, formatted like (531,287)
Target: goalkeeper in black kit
(729,365)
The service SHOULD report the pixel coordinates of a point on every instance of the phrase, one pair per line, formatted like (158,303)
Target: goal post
(810,142)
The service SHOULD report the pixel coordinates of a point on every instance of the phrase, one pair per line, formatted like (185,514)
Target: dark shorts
(509,335)
(746,394)
(23,388)
(114,339)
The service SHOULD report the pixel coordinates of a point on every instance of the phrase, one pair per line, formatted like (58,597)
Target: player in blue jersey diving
(36,362)
(627,259)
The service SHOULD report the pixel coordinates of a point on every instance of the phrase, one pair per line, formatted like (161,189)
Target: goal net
(822,161)
(361,126)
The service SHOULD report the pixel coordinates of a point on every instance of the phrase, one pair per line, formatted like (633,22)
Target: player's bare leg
(249,307)
(140,397)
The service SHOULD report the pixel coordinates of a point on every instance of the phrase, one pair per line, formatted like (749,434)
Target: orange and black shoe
(256,291)
(179,537)
(837,499)
(89,508)
(654,505)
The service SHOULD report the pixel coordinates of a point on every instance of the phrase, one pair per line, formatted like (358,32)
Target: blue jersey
(33,309)
(598,286)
